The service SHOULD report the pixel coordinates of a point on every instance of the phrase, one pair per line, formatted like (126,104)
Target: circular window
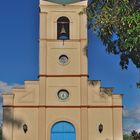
(63,94)
(63,59)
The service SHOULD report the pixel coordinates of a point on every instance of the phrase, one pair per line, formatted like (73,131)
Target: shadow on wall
(9,122)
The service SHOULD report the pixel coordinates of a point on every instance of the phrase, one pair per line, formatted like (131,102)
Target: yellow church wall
(31,120)
(83,25)
(42,57)
(117,123)
(42,91)
(43,25)
(99,116)
(71,84)
(84,91)
(8,99)
(83,57)
(27,95)
(7,132)
(84,124)
(76,52)
(117,99)
(7,127)
(42,123)
(99,98)
(55,50)
(95,97)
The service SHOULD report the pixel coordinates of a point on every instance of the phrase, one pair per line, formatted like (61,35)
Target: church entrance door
(63,131)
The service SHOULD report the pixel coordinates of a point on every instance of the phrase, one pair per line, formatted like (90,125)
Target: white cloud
(132,114)
(5,87)
(138,130)
(128,127)
(131,119)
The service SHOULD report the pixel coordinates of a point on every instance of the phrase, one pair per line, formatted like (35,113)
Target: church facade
(63,104)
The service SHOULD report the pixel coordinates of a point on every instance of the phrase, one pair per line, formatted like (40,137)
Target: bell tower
(62,33)
(63,61)
(63,39)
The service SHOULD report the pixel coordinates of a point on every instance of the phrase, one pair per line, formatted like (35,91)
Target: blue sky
(19,35)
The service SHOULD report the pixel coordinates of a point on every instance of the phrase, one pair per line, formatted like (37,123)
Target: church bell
(63,34)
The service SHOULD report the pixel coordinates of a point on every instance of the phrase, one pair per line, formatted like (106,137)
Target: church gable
(101,96)
(28,95)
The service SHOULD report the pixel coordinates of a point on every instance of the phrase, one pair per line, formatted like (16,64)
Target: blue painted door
(63,131)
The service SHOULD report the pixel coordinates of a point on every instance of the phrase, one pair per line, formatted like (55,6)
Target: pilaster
(84,124)
(8,118)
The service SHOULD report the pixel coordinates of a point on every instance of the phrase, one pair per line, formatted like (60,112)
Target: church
(62,104)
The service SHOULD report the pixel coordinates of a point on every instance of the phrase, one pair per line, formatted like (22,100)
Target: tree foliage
(127,137)
(135,135)
(0,133)
(117,23)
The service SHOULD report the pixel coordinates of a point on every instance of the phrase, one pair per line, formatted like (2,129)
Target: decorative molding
(29,97)
(43,106)
(81,75)
(55,40)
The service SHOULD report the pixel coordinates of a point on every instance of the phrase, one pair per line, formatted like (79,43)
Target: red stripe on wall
(43,106)
(81,75)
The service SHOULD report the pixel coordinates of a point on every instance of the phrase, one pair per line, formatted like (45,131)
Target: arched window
(63,24)
(63,131)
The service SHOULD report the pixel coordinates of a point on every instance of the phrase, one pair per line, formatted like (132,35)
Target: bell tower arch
(63,25)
